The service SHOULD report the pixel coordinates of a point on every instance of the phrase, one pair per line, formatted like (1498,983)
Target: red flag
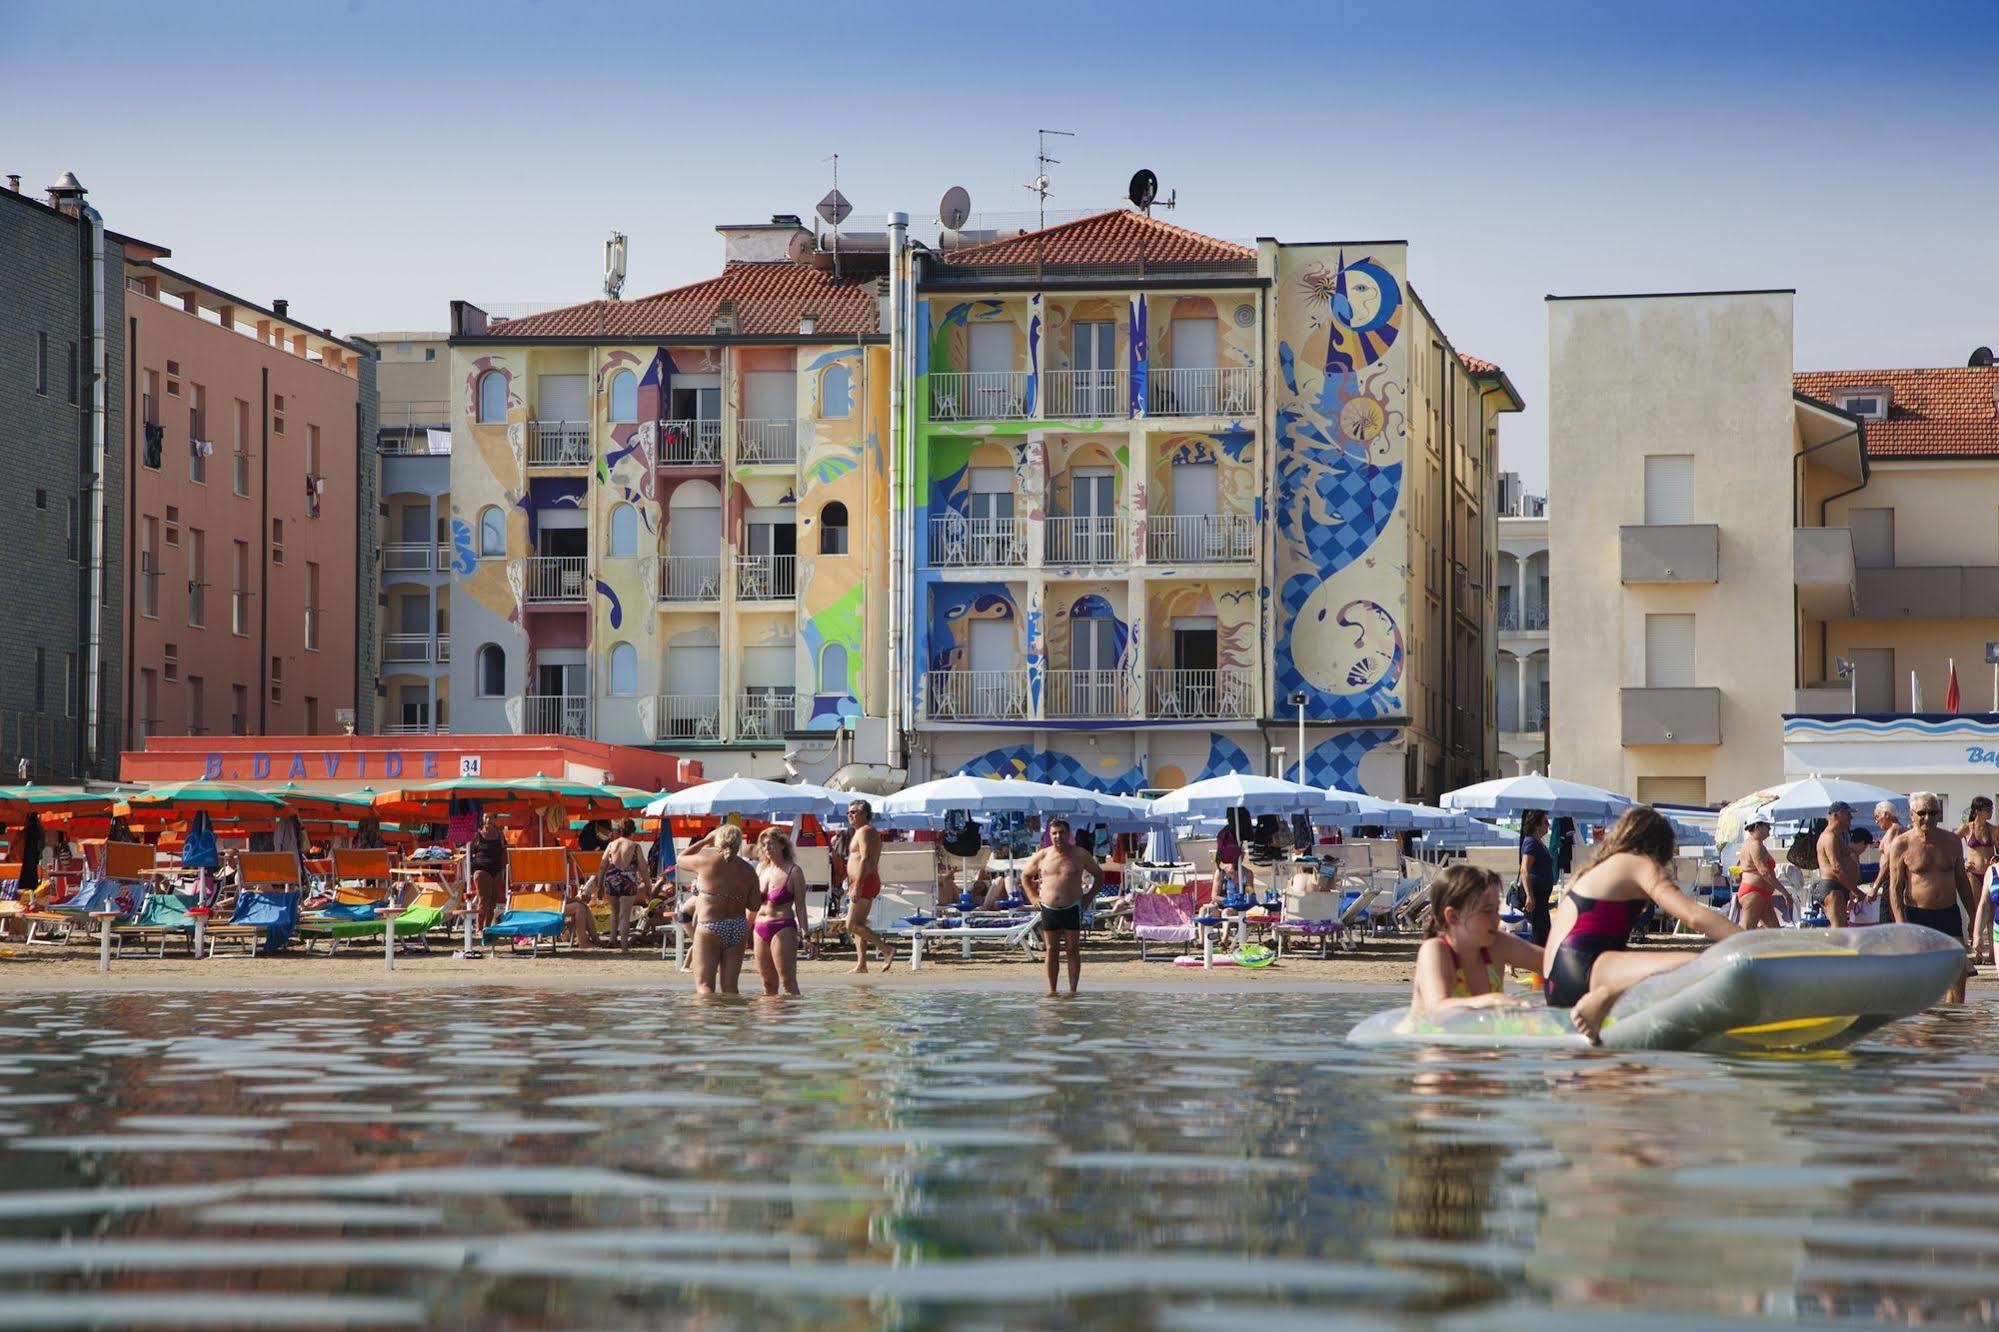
(1950,697)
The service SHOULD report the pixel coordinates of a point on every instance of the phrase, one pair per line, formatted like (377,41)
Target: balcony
(1089,540)
(1220,695)
(556,714)
(556,579)
(688,717)
(1669,553)
(1214,391)
(1671,716)
(412,728)
(1089,394)
(1199,538)
(958,542)
(765,714)
(767,443)
(693,443)
(766,577)
(1083,695)
(412,557)
(1936,592)
(1820,699)
(414,649)
(1530,620)
(1823,569)
(690,578)
(558,444)
(979,395)
(976,695)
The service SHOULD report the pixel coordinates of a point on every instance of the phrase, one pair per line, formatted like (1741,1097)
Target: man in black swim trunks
(1839,864)
(1053,880)
(1927,880)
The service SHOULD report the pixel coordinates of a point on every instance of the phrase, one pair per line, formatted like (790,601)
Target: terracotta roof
(769,299)
(1941,413)
(1119,237)
(1478,367)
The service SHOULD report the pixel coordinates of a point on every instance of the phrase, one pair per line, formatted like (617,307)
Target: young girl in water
(1465,953)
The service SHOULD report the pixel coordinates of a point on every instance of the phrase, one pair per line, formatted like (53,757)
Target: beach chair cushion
(361,862)
(1163,917)
(526,925)
(276,914)
(276,868)
(128,860)
(537,864)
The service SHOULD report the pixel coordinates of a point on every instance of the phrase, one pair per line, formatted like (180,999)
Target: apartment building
(1522,613)
(1699,492)
(669,516)
(1179,506)
(251,499)
(413,565)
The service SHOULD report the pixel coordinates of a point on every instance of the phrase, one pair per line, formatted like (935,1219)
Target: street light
(1298,701)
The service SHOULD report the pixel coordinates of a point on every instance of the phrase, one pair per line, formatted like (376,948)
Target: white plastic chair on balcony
(753,578)
(944,406)
(956,539)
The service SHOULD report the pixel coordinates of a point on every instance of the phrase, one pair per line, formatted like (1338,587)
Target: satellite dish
(1144,188)
(800,248)
(955,208)
(834,208)
(1981,356)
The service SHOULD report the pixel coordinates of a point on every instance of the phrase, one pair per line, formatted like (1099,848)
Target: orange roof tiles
(1118,237)
(1948,412)
(769,300)
(1478,367)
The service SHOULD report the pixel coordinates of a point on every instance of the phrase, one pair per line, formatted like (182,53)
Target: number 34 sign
(468,765)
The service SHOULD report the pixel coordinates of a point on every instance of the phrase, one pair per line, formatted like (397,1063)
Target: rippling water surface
(932,1158)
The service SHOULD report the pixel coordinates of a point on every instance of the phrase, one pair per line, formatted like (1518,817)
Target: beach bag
(1516,896)
(1804,852)
(1228,850)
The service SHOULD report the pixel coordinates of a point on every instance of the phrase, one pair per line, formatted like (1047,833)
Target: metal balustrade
(690,717)
(690,443)
(1220,695)
(766,577)
(414,649)
(979,395)
(690,578)
(762,442)
(1086,694)
(765,714)
(557,578)
(413,557)
(1214,391)
(1089,393)
(558,444)
(556,714)
(958,542)
(1088,540)
(976,695)
(1199,538)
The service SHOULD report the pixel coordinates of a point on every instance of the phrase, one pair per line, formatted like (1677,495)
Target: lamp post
(1298,701)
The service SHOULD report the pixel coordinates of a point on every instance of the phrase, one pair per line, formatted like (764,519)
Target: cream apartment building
(1521,673)
(1696,491)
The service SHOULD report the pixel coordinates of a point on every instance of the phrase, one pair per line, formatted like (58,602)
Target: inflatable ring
(1252,956)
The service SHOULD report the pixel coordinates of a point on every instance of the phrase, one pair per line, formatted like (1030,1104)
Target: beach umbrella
(1690,834)
(1517,795)
(749,796)
(432,801)
(1810,798)
(1391,815)
(1469,833)
(324,806)
(54,805)
(983,795)
(1216,796)
(177,802)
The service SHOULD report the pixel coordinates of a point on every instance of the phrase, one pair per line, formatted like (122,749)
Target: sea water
(940,1157)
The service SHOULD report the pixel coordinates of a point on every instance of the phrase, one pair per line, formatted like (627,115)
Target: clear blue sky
(370,161)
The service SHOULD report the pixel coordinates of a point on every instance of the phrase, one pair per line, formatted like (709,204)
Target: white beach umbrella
(749,796)
(984,795)
(1811,797)
(1517,795)
(1216,796)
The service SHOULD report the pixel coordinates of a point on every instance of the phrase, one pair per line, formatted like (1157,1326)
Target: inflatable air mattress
(1789,990)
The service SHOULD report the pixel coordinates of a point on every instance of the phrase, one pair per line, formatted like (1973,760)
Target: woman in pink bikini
(780,922)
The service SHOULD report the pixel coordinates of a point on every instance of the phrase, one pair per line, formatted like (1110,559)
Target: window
(836,392)
(197,577)
(833,529)
(312,612)
(492,532)
(277,679)
(170,660)
(69,684)
(41,363)
(833,669)
(173,525)
(241,456)
(1669,652)
(239,708)
(149,702)
(402,349)
(149,566)
(624,397)
(1669,489)
(430,353)
(1873,537)
(195,724)
(624,669)
(239,590)
(493,398)
(42,499)
(624,530)
(1870,406)
(311,715)
(492,671)
(1873,679)
(277,541)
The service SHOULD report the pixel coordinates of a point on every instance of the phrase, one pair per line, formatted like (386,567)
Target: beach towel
(276,913)
(199,852)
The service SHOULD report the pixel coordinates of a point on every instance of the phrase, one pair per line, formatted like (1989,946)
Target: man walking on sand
(1839,864)
(1927,881)
(864,859)
(1053,881)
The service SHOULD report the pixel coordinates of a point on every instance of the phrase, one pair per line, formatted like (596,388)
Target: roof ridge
(1142,219)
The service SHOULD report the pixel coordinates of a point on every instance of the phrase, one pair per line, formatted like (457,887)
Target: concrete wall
(1708,376)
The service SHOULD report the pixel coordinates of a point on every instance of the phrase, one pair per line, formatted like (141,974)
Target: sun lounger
(162,919)
(533,911)
(120,886)
(267,903)
(422,916)
(1008,932)
(1163,918)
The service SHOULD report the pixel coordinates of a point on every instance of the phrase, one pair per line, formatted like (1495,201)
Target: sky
(371,161)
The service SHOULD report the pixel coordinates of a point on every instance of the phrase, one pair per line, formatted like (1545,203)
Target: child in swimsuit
(1465,953)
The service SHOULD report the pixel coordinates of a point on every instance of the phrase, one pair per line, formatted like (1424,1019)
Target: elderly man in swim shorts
(1839,864)
(864,878)
(1053,880)
(1927,880)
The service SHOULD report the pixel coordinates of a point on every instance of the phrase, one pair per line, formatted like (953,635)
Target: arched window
(624,669)
(836,392)
(624,397)
(624,530)
(493,398)
(833,669)
(492,671)
(492,532)
(833,529)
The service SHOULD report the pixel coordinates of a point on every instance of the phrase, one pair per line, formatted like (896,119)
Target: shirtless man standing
(1927,881)
(727,888)
(1053,880)
(864,878)
(1839,864)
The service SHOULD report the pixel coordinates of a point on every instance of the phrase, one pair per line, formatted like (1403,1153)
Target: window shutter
(1669,489)
(1669,651)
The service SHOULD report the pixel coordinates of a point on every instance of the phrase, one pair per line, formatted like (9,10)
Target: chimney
(808,323)
(14,183)
(67,193)
(761,242)
(281,308)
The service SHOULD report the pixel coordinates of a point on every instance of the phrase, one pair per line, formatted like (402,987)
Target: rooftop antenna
(834,208)
(954,208)
(614,265)
(1039,186)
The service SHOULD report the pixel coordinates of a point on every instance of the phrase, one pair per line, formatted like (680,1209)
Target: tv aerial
(833,210)
(1144,192)
(954,209)
(1041,185)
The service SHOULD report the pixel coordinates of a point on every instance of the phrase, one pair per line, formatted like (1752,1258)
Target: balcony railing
(1088,540)
(1220,695)
(979,395)
(1089,393)
(976,695)
(766,577)
(557,578)
(765,715)
(767,441)
(414,441)
(1199,538)
(958,542)
(690,578)
(695,717)
(692,443)
(1098,694)
(414,557)
(412,728)
(556,714)
(558,444)
(1515,620)
(415,414)
(1215,391)
(414,649)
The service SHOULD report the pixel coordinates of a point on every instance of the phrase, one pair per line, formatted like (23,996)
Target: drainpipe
(93,646)
(134,429)
(263,546)
(898,350)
